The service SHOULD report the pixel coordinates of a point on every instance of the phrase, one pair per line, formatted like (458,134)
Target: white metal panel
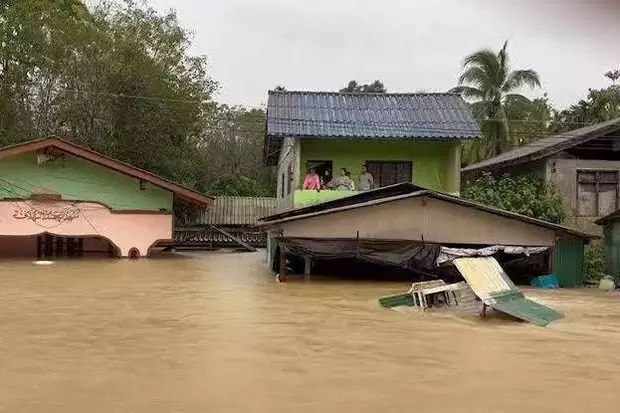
(484,275)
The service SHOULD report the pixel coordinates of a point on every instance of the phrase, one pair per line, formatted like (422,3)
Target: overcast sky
(411,45)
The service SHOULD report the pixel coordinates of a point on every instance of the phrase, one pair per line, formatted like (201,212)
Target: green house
(399,137)
(611,242)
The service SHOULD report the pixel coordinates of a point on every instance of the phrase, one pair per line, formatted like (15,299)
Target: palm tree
(488,81)
(613,75)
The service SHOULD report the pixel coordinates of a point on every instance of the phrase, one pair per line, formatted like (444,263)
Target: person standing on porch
(367,181)
(312,181)
(342,182)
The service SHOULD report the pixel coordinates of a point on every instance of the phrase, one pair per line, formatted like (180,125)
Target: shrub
(594,262)
(526,195)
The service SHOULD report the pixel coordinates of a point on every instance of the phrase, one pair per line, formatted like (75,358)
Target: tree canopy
(374,87)
(526,195)
(118,77)
(488,82)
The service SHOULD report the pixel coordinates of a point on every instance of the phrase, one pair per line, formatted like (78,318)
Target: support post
(282,270)
(307,267)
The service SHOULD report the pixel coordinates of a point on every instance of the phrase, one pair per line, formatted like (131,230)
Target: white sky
(411,45)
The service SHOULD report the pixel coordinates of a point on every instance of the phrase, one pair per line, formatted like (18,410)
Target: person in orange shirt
(312,181)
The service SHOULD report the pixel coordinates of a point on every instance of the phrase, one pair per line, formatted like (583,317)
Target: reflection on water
(214,333)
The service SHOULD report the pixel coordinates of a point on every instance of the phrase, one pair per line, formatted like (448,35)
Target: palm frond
(486,59)
(476,76)
(468,92)
(518,78)
(482,110)
(502,57)
(517,98)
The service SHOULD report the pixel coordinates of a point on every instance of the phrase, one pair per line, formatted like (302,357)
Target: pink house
(59,199)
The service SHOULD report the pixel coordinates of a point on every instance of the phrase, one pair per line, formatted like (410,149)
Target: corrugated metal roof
(235,210)
(547,146)
(432,116)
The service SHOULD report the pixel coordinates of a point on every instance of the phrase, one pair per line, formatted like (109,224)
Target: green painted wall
(308,198)
(78,179)
(568,262)
(612,248)
(436,165)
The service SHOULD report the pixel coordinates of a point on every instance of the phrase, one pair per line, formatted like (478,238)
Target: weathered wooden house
(583,165)
(400,137)
(58,199)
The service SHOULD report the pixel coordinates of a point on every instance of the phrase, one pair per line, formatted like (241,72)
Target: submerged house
(421,230)
(59,199)
(413,219)
(399,137)
(582,164)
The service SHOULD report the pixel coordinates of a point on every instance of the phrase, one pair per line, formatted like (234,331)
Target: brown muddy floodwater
(215,333)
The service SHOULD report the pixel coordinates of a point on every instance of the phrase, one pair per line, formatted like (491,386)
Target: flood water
(215,333)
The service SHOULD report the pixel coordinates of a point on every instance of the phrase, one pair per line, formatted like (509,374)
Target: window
(389,172)
(322,168)
(597,193)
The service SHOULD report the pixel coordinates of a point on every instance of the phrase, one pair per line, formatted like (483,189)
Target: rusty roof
(544,147)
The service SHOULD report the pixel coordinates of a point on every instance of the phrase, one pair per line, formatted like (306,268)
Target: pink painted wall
(124,230)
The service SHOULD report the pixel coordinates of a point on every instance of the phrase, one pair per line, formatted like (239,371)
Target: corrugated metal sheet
(233,210)
(434,116)
(485,276)
(568,262)
(547,146)
(490,282)
(515,304)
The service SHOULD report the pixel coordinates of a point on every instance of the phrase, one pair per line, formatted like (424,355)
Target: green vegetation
(375,87)
(488,80)
(594,262)
(527,195)
(509,119)
(118,78)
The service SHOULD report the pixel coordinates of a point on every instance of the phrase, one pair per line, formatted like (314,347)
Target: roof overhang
(538,150)
(408,191)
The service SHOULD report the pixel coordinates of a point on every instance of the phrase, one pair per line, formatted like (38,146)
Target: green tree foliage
(594,265)
(231,154)
(374,87)
(118,78)
(528,120)
(526,195)
(599,106)
(613,75)
(488,82)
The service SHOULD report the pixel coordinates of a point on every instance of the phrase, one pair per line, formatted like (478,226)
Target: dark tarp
(406,254)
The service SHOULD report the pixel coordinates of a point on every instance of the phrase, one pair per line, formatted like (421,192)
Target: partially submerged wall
(125,230)
(421,219)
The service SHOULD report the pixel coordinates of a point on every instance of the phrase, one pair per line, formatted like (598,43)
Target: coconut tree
(613,75)
(488,81)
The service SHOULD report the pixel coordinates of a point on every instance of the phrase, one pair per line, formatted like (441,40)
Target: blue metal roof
(425,116)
